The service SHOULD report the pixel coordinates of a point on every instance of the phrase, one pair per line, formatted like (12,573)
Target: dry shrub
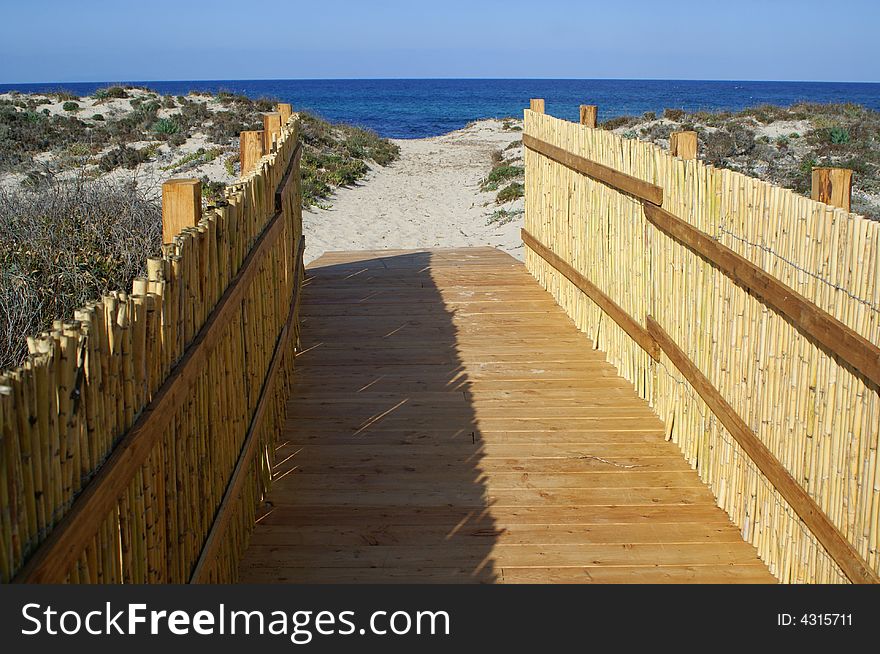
(63,245)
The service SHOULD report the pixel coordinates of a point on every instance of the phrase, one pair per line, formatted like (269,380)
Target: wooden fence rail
(766,307)
(138,439)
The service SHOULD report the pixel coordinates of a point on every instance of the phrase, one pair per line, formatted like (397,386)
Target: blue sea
(414,108)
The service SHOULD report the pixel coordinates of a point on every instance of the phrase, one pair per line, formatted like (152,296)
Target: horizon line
(439,78)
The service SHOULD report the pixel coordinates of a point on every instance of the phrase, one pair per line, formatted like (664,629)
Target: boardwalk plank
(449,424)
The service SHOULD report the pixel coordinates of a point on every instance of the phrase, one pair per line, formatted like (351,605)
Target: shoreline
(434,195)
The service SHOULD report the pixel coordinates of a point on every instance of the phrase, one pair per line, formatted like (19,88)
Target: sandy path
(430,197)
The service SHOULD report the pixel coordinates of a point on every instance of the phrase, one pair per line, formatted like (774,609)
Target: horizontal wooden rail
(248,450)
(626,322)
(818,325)
(837,546)
(621,181)
(53,559)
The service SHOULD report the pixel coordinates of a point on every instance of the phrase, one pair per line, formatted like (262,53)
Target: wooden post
(833,186)
(683,144)
(285,110)
(536,105)
(271,130)
(181,206)
(250,150)
(590,115)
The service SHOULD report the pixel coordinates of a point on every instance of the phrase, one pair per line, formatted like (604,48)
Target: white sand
(430,197)
(149,175)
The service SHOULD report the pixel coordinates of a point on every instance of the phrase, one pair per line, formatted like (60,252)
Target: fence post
(833,186)
(250,150)
(590,115)
(536,105)
(285,109)
(271,130)
(683,144)
(181,206)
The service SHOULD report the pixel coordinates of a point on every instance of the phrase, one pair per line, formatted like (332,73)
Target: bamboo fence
(122,430)
(818,416)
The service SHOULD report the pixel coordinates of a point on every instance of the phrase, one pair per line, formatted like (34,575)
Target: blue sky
(98,40)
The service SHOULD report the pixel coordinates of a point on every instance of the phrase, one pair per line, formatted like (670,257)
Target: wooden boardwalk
(448,423)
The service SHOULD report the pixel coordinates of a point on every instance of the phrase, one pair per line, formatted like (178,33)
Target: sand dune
(430,197)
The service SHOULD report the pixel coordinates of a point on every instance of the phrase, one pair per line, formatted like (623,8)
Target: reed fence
(137,439)
(747,315)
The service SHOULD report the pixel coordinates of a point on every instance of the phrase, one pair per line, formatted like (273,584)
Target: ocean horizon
(417,108)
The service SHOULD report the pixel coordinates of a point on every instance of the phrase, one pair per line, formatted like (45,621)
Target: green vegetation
(838,135)
(165,126)
(508,174)
(229,164)
(844,135)
(620,121)
(500,174)
(510,193)
(504,216)
(125,157)
(199,156)
(62,95)
(70,106)
(212,191)
(111,92)
(334,155)
(338,155)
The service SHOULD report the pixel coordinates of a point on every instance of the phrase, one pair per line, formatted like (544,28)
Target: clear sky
(107,40)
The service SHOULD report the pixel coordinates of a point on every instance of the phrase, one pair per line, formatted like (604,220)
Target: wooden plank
(589,115)
(285,109)
(404,409)
(181,206)
(474,497)
(621,181)
(626,322)
(382,459)
(313,575)
(646,574)
(385,534)
(302,515)
(245,460)
(250,150)
(832,186)
(53,559)
(821,327)
(582,554)
(837,546)
(683,144)
(569,435)
(724,573)
(493,481)
(271,130)
(614,453)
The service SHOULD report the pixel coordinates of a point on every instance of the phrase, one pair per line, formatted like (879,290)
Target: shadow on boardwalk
(379,478)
